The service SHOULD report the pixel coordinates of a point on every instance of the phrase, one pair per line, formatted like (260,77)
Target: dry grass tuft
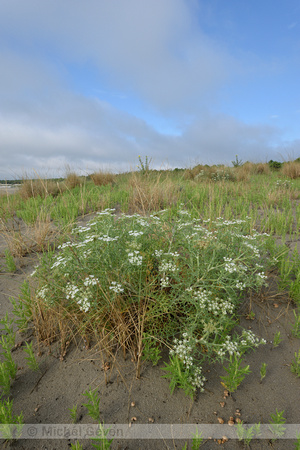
(243,172)
(72,180)
(261,169)
(39,187)
(291,169)
(190,174)
(151,195)
(102,178)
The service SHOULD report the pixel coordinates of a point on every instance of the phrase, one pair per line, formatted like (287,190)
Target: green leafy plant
(151,270)
(275,165)
(246,433)
(31,359)
(277,424)
(296,325)
(73,413)
(151,351)
(144,167)
(4,378)
(93,404)
(8,368)
(11,425)
(295,367)
(237,162)
(235,374)
(197,441)
(22,309)
(263,371)
(76,446)
(10,262)
(182,369)
(277,339)
(297,443)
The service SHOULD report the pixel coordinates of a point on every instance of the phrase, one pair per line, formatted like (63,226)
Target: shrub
(275,165)
(160,277)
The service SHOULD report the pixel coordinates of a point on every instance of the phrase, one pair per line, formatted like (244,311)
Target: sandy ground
(45,396)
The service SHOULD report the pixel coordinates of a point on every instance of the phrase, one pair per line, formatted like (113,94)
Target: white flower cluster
(228,347)
(91,280)
(106,238)
(252,247)
(116,287)
(135,258)
(135,233)
(198,380)
(106,212)
(166,266)
(249,339)
(82,298)
(229,222)
(164,282)
(209,303)
(183,348)
(59,261)
(239,285)
(42,293)
(261,278)
(229,266)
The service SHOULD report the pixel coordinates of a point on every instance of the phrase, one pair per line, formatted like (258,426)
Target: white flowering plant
(147,281)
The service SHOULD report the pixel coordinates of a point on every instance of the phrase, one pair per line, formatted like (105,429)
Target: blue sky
(92,85)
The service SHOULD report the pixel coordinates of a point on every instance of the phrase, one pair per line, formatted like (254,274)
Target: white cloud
(153,51)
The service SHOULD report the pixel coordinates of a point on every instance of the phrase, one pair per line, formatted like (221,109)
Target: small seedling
(178,376)
(151,352)
(10,262)
(73,413)
(296,326)
(277,339)
(4,378)
(22,309)
(76,446)
(102,442)
(263,371)
(276,424)
(235,374)
(295,367)
(246,434)
(93,404)
(197,441)
(297,443)
(251,316)
(31,359)
(11,426)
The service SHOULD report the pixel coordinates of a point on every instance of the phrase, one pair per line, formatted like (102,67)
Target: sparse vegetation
(175,246)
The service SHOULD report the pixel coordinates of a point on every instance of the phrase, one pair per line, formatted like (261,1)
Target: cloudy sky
(93,84)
